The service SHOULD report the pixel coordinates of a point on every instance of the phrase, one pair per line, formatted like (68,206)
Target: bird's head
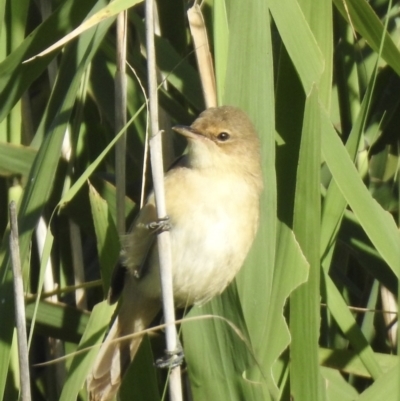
(223,138)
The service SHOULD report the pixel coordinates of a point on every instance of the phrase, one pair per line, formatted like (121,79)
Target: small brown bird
(212,200)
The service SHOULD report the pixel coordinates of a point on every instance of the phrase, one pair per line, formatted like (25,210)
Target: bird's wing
(138,243)
(136,246)
(135,314)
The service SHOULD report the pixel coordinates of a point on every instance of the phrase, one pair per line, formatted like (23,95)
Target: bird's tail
(114,357)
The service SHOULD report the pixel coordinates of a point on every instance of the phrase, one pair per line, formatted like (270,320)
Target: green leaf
(177,70)
(349,361)
(111,10)
(141,377)
(82,362)
(291,270)
(37,191)
(92,167)
(377,223)
(338,389)
(299,41)
(16,159)
(256,97)
(319,18)
(345,320)
(334,203)
(58,320)
(107,236)
(254,283)
(219,341)
(15,76)
(385,388)
(360,14)
(221,46)
(305,377)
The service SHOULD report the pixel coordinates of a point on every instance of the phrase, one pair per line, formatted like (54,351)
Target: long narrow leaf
(40,181)
(305,377)
(360,14)
(377,223)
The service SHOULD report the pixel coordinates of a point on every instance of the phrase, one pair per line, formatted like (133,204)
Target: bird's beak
(186,131)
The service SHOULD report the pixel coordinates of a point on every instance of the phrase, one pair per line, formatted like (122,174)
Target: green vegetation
(313,313)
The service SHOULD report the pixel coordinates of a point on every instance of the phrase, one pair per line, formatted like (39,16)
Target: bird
(213,204)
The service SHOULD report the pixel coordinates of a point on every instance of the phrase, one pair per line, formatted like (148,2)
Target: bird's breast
(214,220)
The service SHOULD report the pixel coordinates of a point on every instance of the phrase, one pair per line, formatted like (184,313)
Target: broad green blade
(385,388)
(14,28)
(319,17)
(305,377)
(255,96)
(299,40)
(338,389)
(82,362)
(218,352)
(248,33)
(291,270)
(2,12)
(221,46)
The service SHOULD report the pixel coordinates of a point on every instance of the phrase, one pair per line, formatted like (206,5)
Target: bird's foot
(171,359)
(159,226)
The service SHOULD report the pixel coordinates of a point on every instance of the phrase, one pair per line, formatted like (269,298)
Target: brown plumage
(213,204)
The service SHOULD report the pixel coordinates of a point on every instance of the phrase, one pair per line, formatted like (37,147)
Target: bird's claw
(159,226)
(170,360)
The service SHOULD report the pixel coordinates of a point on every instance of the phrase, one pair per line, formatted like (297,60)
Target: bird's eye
(223,136)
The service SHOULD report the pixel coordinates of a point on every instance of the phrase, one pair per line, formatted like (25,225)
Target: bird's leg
(171,359)
(162,224)
(175,358)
